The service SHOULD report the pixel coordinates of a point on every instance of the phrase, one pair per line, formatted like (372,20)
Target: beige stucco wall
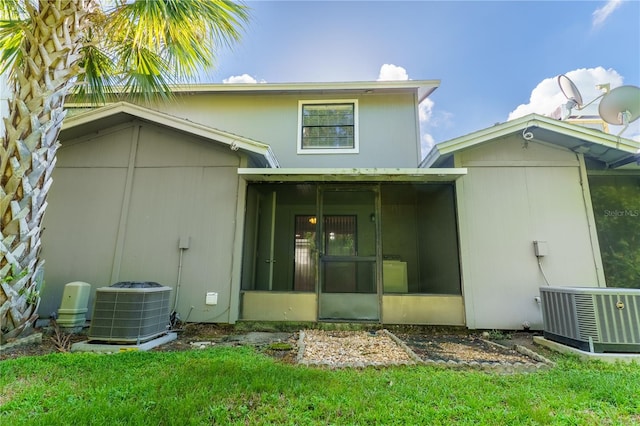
(396,309)
(387,123)
(512,195)
(121,201)
(423,309)
(279,306)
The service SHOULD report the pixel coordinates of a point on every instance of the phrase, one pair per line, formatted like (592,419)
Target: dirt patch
(461,348)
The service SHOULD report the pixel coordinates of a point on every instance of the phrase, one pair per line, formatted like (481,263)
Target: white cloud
(425,110)
(425,114)
(547,96)
(600,15)
(244,78)
(390,72)
(426,143)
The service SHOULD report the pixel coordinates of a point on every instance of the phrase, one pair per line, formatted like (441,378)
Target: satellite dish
(574,98)
(570,91)
(621,105)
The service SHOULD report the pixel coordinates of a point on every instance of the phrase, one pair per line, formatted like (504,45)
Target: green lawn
(241,386)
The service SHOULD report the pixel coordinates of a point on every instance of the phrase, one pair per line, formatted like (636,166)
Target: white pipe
(542,270)
(175,303)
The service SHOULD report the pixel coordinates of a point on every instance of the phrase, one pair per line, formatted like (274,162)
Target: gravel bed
(360,348)
(350,349)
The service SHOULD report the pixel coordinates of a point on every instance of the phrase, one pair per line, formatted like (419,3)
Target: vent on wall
(592,319)
(130,312)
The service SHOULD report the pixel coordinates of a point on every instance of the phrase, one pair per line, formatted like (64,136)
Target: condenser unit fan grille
(130,314)
(592,319)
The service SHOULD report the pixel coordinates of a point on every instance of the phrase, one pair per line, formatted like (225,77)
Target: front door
(348,253)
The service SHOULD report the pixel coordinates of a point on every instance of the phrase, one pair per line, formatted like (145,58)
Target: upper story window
(328,127)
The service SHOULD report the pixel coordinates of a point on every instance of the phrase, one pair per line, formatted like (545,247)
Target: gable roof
(123,112)
(610,150)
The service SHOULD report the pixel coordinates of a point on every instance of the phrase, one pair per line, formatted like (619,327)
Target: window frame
(356,144)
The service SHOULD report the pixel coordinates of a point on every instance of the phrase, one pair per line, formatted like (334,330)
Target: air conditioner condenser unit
(591,318)
(130,312)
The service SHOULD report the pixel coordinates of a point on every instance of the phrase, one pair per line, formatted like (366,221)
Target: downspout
(237,248)
(468,299)
(593,235)
(183,244)
(126,201)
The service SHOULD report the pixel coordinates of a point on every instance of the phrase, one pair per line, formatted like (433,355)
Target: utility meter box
(540,248)
(73,308)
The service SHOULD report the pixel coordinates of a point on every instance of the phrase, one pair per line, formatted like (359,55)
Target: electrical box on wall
(184,243)
(540,248)
(212,298)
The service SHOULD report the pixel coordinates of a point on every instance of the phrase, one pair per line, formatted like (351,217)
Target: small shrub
(497,335)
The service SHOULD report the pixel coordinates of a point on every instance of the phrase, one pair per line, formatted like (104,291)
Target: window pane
(328,126)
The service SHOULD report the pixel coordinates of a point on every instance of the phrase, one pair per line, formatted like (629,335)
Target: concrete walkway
(606,357)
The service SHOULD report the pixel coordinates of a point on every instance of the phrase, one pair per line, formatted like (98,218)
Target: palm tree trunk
(28,152)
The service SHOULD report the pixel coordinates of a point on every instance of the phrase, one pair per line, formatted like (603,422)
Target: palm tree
(53,48)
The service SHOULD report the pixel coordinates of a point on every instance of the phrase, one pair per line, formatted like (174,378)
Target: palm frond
(11,36)
(13,18)
(99,77)
(12,9)
(147,74)
(185,33)
(212,24)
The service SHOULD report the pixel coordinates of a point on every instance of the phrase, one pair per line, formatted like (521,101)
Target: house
(309,202)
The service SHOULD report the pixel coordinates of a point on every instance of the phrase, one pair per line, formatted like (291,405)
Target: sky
(496,60)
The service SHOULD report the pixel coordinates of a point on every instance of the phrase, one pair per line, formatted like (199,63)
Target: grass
(241,386)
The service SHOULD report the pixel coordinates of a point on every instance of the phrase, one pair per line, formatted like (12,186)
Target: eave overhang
(347,175)
(611,150)
(122,112)
(423,87)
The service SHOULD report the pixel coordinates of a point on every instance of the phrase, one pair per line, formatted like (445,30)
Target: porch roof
(609,150)
(351,175)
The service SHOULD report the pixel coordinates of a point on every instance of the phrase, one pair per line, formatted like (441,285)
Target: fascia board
(590,135)
(520,125)
(424,87)
(355,174)
(430,159)
(531,121)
